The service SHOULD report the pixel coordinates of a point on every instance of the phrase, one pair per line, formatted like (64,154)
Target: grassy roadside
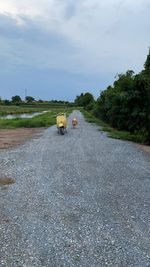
(111,132)
(42,120)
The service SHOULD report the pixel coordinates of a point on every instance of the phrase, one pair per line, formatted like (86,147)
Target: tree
(88,99)
(29,99)
(40,101)
(147,63)
(79,100)
(6,102)
(126,104)
(16,99)
(85,100)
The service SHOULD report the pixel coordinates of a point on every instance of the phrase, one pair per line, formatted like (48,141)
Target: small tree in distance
(29,99)
(16,99)
(85,100)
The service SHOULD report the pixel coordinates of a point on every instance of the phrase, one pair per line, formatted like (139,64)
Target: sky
(56,49)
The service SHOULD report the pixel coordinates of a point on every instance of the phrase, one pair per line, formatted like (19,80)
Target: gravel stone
(81,199)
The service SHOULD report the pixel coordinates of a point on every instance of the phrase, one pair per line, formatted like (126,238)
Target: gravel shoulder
(81,199)
(14,137)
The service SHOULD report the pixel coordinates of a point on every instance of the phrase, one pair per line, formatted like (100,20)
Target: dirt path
(13,137)
(81,199)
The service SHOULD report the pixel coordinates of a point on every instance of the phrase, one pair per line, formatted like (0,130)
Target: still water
(21,116)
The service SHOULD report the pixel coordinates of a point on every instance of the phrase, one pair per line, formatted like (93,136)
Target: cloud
(81,37)
(32,46)
(101,31)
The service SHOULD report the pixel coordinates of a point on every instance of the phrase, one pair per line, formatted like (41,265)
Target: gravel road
(81,199)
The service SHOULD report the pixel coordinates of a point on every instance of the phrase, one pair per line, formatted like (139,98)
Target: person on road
(74,122)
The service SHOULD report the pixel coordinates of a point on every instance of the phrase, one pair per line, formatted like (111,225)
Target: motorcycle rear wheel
(62,130)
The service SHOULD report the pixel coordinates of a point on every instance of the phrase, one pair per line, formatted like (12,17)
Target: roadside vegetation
(42,120)
(10,110)
(112,132)
(123,109)
(19,106)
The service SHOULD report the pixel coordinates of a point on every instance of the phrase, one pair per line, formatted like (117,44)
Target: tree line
(125,105)
(17,100)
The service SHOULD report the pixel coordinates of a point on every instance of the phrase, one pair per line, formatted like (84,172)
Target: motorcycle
(61,122)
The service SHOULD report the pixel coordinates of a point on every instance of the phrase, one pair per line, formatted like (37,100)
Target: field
(16,131)
(29,108)
(43,120)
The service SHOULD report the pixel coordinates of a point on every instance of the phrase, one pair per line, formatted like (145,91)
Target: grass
(5,110)
(12,109)
(111,132)
(44,120)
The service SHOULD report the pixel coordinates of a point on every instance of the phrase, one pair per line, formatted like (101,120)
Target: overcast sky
(57,49)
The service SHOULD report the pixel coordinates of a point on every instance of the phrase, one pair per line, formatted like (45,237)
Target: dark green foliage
(6,102)
(111,132)
(29,99)
(147,64)
(85,100)
(126,104)
(16,99)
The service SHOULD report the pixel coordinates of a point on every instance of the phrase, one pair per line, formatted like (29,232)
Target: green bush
(126,104)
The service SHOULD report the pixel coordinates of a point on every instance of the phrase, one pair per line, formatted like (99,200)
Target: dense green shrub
(126,104)
(85,100)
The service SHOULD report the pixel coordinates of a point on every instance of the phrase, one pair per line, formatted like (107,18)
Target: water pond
(20,116)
